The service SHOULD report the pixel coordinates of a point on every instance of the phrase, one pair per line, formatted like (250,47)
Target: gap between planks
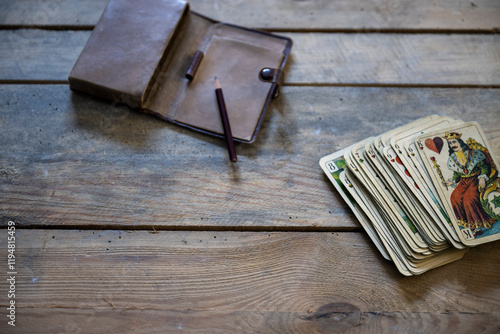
(492,31)
(292,84)
(194,228)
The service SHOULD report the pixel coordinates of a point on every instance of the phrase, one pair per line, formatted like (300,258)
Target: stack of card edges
(424,192)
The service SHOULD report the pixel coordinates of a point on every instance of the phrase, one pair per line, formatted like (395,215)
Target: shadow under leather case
(139,52)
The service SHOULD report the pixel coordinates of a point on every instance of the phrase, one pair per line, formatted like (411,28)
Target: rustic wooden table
(128,224)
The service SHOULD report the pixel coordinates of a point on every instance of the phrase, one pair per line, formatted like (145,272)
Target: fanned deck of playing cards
(424,192)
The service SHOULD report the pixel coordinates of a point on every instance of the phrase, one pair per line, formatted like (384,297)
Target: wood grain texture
(340,319)
(70,159)
(325,59)
(107,281)
(480,15)
(355,15)
(394,59)
(51,13)
(33,54)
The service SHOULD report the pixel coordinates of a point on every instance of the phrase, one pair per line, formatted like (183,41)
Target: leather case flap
(127,48)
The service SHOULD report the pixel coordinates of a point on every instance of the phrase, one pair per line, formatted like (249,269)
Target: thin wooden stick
(225,121)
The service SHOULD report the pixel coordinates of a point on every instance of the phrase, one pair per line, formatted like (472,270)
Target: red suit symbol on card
(435,144)
(398,160)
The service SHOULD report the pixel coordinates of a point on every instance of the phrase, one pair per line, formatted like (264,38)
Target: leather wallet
(161,58)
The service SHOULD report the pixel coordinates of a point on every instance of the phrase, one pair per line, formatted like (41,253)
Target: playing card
(404,145)
(410,186)
(465,175)
(391,246)
(434,218)
(397,218)
(384,138)
(332,166)
(389,181)
(406,264)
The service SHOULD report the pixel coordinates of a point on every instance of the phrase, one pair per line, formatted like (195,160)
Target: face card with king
(466,178)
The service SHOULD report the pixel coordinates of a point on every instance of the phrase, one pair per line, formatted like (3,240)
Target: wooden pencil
(225,121)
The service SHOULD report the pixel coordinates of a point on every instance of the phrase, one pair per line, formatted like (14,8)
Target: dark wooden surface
(127,224)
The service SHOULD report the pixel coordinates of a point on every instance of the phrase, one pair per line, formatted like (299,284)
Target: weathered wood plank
(393,59)
(240,282)
(33,13)
(32,54)
(482,15)
(338,59)
(340,319)
(70,159)
(355,15)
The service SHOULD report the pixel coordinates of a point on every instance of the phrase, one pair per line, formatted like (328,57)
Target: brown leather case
(161,58)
